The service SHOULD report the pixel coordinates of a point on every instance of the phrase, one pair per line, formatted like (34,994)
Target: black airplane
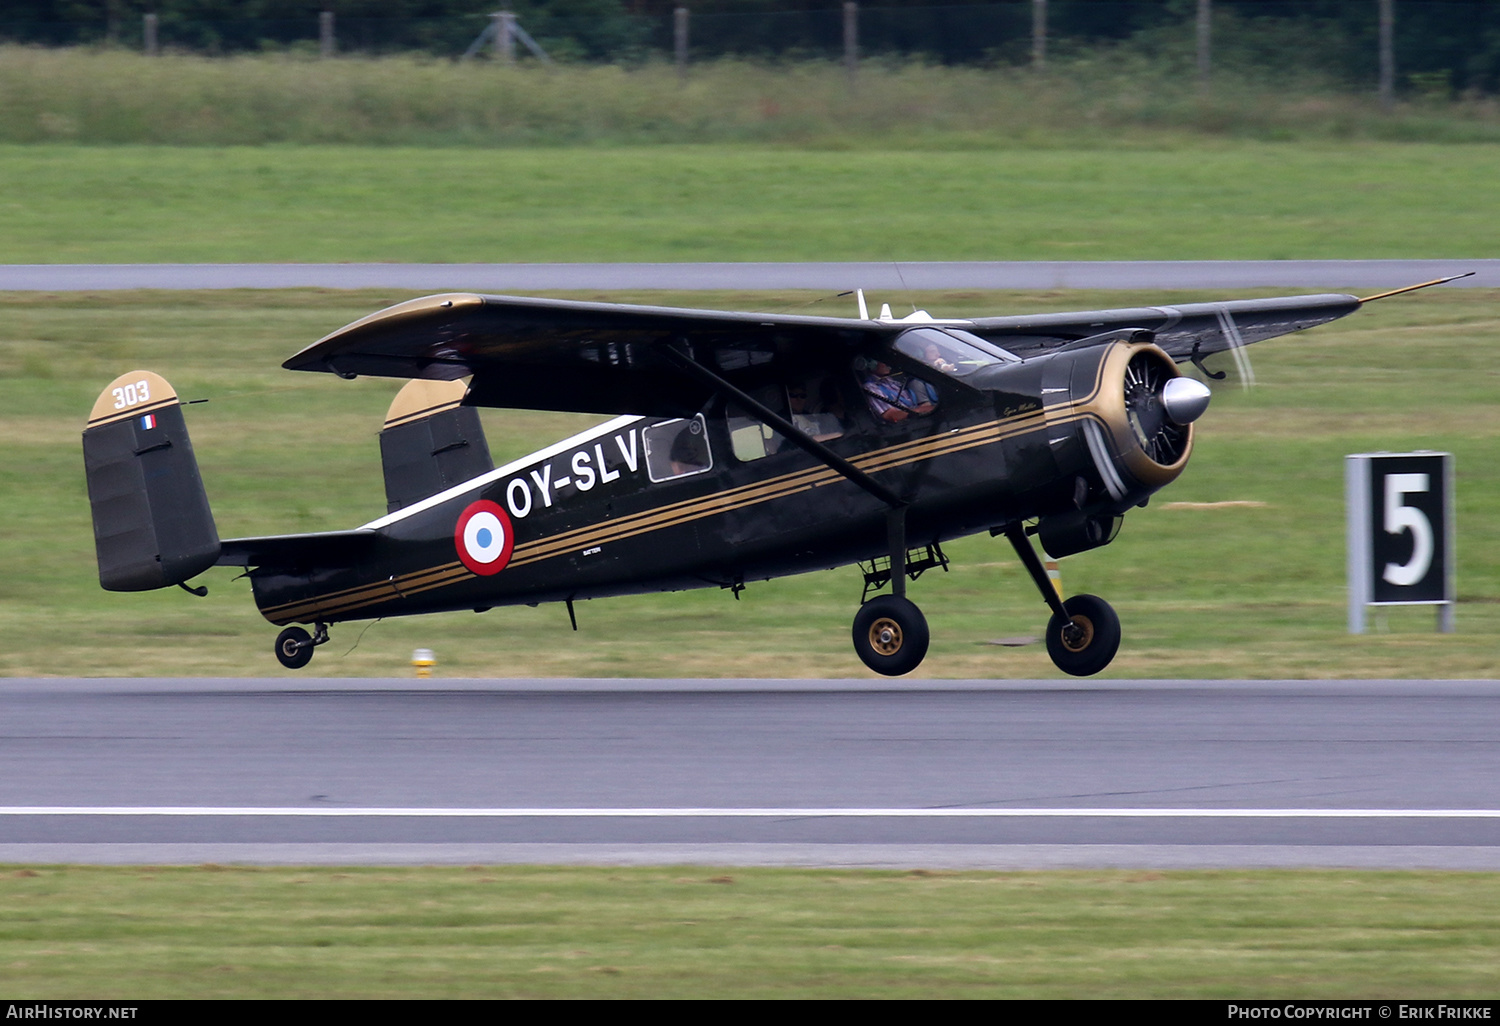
(747,446)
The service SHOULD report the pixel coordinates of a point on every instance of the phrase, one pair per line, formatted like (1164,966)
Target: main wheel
(890,635)
(294,648)
(1087,641)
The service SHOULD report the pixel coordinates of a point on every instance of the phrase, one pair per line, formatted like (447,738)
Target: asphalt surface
(899,773)
(521,278)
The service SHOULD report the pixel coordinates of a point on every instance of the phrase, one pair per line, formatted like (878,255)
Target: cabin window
(953,352)
(677,448)
(811,404)
(749,438)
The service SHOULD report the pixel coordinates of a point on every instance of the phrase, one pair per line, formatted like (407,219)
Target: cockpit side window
(951,351)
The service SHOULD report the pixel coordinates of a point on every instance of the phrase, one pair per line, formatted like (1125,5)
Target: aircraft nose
(1185,399)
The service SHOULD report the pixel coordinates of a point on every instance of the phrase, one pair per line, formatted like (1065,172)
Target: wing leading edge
(553,354)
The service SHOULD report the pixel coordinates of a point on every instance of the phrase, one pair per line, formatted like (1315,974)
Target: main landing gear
(294,646)
(890,632)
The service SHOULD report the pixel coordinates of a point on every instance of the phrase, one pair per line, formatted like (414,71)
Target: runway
(833,276)
(933,774)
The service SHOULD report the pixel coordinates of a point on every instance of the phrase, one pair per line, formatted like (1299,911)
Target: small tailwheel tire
(890,635)
(1085,642)
(294,647)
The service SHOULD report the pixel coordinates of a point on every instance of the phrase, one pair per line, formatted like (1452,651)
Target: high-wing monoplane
(745,446)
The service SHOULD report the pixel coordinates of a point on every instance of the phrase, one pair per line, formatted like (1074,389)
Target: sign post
(1400,533)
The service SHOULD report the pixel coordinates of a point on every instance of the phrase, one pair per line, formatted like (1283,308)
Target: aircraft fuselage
(607,513)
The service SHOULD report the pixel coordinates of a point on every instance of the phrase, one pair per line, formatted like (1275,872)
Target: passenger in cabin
(814,415)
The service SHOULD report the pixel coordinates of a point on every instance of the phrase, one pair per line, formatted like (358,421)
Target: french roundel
(484,538)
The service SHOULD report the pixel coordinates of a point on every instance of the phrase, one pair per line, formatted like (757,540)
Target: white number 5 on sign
(1401,517)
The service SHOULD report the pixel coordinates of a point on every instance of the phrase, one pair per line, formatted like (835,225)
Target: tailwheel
(294,646)
(1085,642)
(890,635)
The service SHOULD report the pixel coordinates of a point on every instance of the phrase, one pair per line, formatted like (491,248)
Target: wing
(1207,328)
(553,354)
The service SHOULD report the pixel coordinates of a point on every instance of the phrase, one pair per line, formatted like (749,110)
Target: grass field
(1167,200)
(223,932)
(1247,590)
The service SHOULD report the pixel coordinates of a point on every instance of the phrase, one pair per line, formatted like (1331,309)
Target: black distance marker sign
(1400,531)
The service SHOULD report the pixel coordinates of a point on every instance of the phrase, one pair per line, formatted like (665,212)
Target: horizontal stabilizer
(152,524)
(430,442)
(326,550)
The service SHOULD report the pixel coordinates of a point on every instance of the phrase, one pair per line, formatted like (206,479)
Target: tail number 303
(131,395)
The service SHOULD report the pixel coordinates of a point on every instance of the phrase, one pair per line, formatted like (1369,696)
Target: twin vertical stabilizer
(152,524)
(430,442)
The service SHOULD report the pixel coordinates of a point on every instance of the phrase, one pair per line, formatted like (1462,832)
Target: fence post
(680,41)
(1387,55)
(1205,43)
(148,29)
(1038,34)
(505,39)
(851,41)
(325,34)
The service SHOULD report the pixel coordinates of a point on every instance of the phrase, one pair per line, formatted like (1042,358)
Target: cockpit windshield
(951,350)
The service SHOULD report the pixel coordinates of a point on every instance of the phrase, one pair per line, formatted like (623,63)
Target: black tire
(1093,649)
(890,635)
(294,648)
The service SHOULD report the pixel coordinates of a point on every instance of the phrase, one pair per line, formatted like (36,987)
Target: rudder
(152,523)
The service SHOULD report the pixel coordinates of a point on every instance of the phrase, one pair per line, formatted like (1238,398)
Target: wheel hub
(1078,633)
(885,636)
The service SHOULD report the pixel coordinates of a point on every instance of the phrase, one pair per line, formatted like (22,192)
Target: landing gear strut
(1084,632)
(890,632)
(294,646)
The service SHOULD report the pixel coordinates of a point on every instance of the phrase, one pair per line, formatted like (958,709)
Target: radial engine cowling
(1135,413)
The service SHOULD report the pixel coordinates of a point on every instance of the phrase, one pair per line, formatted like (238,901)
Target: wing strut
(896,518)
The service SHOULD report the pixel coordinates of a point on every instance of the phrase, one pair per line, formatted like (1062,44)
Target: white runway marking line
(741,813)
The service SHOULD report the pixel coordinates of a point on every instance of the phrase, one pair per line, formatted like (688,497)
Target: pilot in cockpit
(893,395)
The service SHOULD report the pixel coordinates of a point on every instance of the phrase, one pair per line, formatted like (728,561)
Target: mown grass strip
(516,931)
(1242,200)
